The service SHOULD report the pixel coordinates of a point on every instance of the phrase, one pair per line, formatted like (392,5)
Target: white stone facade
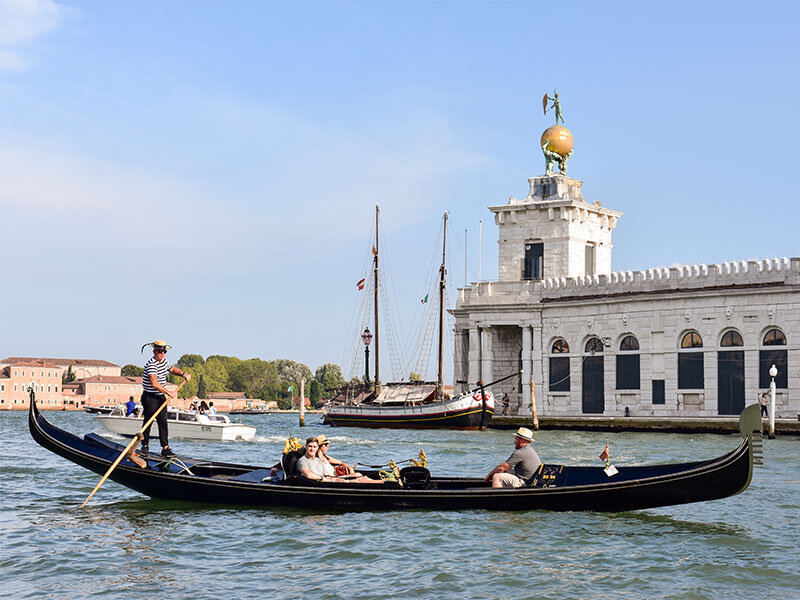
(512,324)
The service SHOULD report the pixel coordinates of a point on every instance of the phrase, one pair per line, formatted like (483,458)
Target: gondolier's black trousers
(150,404)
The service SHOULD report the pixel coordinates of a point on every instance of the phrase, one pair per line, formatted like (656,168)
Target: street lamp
(366,337)
(773,372)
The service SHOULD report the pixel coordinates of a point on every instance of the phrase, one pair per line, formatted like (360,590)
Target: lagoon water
(125,545)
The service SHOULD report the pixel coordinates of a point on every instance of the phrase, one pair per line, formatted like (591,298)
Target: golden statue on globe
(556,141)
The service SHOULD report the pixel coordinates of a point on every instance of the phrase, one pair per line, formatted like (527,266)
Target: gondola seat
(415,478)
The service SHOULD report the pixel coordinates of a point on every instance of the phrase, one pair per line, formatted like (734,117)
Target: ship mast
(377,330)
(442,273)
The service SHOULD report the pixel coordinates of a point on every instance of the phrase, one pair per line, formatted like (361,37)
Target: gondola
(555,487)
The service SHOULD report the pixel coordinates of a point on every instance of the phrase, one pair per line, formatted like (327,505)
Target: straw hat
(157,344)
(321,439)
(524,433)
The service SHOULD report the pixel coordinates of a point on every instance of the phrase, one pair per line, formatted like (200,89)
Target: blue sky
(206,172)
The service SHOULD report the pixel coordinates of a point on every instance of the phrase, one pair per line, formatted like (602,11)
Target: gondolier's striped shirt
(157,368)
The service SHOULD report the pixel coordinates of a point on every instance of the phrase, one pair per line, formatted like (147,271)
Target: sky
(207,172)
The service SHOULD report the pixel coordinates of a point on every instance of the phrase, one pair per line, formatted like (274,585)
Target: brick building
(18,375)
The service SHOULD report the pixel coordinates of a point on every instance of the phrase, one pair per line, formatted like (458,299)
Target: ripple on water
(124,546)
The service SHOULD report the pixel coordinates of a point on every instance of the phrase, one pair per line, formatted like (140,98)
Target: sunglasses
(161,351)
(325,444)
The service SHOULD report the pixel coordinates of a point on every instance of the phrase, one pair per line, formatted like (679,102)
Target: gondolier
(155,393)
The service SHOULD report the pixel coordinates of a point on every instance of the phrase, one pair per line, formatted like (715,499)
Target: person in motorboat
(212,410)
(130,407)
(324,444)
(203,410)
(524,461)
(311,466)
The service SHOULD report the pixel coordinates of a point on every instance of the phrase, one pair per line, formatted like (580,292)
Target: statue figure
(555,107)
(551,158)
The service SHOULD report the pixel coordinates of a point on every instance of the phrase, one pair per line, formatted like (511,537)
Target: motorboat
(182,424)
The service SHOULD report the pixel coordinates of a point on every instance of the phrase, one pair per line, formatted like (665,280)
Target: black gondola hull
(579,488)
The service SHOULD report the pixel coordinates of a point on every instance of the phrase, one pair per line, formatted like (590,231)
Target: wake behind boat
(183,424)
(554,487)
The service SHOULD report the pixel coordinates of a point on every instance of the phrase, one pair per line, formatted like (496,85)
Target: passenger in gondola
(339,466)
(524,461)
(311,466)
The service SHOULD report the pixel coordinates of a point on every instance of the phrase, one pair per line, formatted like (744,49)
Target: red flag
(604,454)
(374,251)
(360,284)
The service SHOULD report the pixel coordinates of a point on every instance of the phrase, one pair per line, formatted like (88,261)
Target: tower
(553,232)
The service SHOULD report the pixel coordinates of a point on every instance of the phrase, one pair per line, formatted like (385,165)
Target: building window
(628,364)
(690,363)
(773,354)
(593,345)
(590,259)
(15,387)
(559,367)
(659,397)
(2,387)
(731,338)
(534,261)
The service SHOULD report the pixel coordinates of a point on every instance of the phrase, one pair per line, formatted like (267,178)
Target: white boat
(182,424)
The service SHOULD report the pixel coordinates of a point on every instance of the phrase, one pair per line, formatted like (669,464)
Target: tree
(201,388)
(253,376)
(132,371)
(293,371)
(414,377)
(67,377)
(331,378)
(316,393)
(191,360)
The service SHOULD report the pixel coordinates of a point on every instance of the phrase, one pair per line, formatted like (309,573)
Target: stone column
(487,355)
(525,401)
(537,368)
(474,357)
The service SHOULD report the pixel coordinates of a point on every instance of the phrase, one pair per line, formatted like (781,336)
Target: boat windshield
(183,416)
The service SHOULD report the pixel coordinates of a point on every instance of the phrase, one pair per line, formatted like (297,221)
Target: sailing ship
(417,405)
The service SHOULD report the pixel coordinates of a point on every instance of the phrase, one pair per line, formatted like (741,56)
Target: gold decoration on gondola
(292,444)
(393,474)
(423,460)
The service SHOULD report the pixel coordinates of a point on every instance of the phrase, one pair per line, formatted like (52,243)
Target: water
(127,546)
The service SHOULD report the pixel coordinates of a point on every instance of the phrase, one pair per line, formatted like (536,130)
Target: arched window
(559,367)
(629,343)
(628,364)
(692,340)
(770,355)
(731,338)
(593,345)
(774,337)
(690,363)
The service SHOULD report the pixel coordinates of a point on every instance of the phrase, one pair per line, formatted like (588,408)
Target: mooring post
(302,402)
(773,372)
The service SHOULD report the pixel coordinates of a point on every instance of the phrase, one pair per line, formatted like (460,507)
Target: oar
(129,447)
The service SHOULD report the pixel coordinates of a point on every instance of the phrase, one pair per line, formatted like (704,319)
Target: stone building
(682,341)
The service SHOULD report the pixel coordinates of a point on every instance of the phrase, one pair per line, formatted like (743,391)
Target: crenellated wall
(683,277)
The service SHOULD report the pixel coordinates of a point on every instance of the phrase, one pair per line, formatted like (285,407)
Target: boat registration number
(205,427)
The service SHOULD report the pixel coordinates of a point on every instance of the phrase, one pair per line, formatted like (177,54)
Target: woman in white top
(312,466)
